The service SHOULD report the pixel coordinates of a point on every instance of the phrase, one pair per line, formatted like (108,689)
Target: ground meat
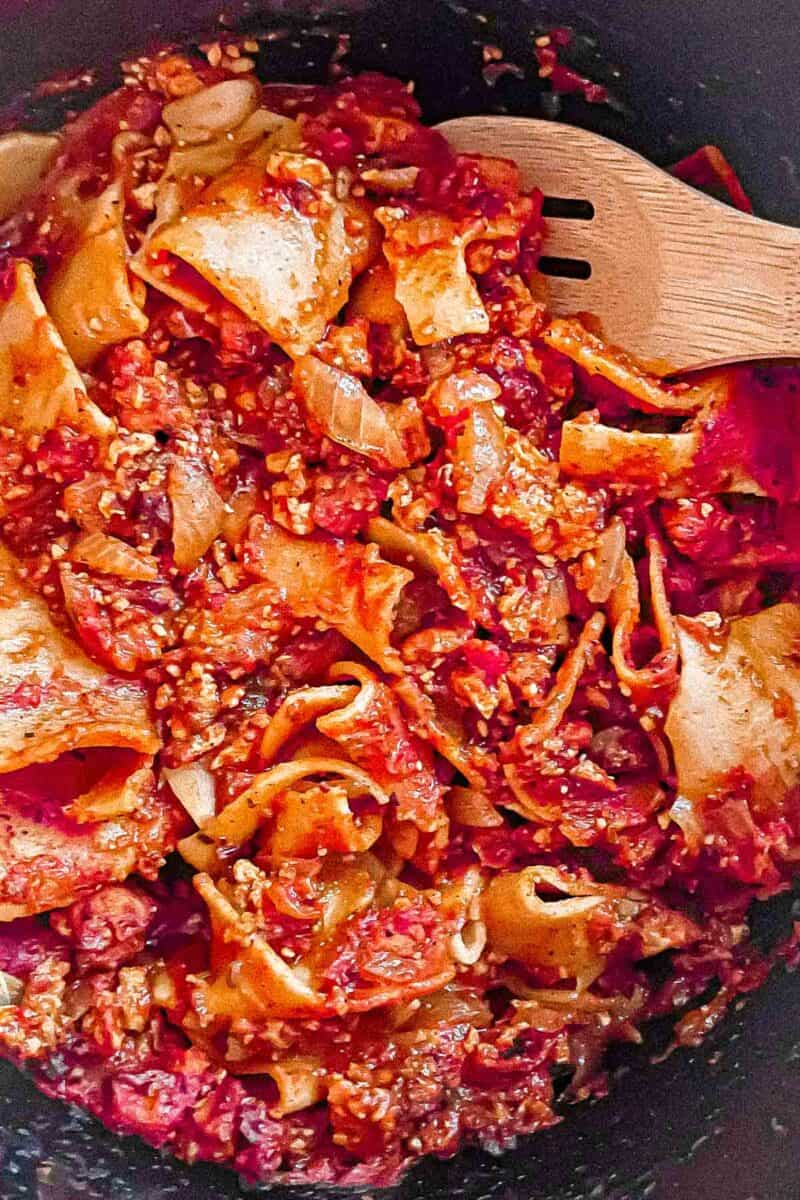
(108,927)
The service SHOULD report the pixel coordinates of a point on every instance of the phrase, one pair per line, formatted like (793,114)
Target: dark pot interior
(720,1123)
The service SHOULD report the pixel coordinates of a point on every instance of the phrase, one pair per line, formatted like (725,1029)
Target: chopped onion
(480,458)
(299,1082)
(11,989)
(239,509)
(194,787)
(391,179)
(212,111)
(685,813)
(460,391)
(114,557)
(197,511)
(346,411)
(608,555)
(473,807)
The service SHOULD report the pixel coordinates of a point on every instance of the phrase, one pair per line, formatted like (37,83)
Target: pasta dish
(399,686)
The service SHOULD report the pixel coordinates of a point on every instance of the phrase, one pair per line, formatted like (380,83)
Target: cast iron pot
(720,1123)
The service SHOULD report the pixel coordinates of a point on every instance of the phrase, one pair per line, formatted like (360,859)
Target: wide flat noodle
(217,112)
(644,391)
(445,733)
(554,708)
(240,819)
(39,383)
(299,709)
(351,588)
(434,552)
(372,731)
(265,985)
(211,112)
(737,704)
(658,461)
(625,612)
(431,280)
(52,697)
(573,937)
(550,715)
(289,271)
(243,631)
(601,568)
(557,517)
(89,295)
(555,934)
(317,818)
(24,159)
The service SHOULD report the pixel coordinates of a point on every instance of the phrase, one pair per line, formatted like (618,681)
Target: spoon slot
(565,268)
(567,209)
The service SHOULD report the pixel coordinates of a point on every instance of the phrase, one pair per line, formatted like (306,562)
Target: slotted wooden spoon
(675,277)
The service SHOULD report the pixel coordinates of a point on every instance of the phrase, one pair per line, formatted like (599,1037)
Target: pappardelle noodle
(399,686)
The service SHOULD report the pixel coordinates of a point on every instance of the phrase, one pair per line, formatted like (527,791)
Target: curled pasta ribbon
(300,1079)
(644,391)
(444,735)
(431,551)
(313,818)
(116,794)
(265,985)
(625,613)
(461,904)
(40,384)
(248,980)
(552,935)
(193,785)
(349,587)
(301,708)
(574,936)
(551,714)
(82,706)
(240,819)
(372,731)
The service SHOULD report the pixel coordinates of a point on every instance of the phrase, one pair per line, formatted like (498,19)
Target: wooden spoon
(677,278)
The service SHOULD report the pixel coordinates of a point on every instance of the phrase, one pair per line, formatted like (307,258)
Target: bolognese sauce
(390,672)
